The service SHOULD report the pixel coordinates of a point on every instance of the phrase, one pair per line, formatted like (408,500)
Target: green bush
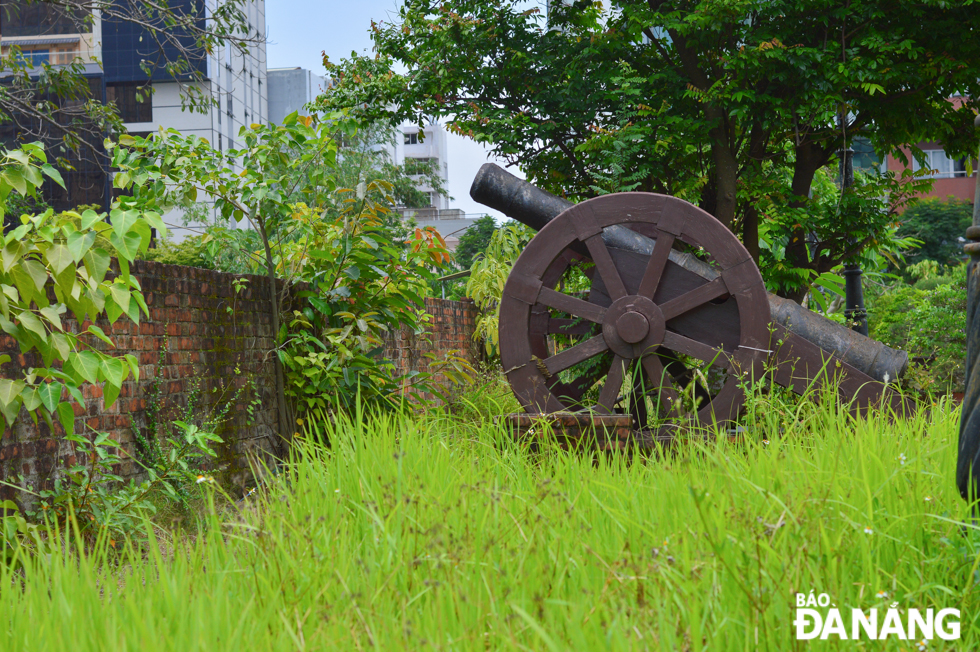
(929,321)
(189,252)
(938,224)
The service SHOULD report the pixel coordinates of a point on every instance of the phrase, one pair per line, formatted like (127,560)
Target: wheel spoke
(658,377)
(614,382)
(696,349)
(607,268)
(576,354)
(569,327)
(655,266)
(571,393)
(571,305)
(638,399)
(696,297)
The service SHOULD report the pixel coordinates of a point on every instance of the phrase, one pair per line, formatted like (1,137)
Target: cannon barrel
(530,205)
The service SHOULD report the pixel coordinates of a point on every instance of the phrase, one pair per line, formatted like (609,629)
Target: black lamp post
(854,310)
(968,459)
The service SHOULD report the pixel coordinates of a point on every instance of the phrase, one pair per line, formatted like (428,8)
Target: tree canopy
(735,105)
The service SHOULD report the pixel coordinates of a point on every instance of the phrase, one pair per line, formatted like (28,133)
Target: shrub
(939,224)
(189,252)
(929,321)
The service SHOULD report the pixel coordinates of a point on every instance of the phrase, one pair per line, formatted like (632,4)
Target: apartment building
(115,53)
(291,89)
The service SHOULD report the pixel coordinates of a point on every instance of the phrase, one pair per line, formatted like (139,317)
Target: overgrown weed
(434,533)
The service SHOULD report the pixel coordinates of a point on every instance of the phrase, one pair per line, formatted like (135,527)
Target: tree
(721,103)
(940,225)
(55,267)
(307,227)
(474,241)
(56,103)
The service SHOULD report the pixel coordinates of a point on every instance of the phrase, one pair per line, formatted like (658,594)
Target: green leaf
(120,294)
(97,264)
(86,364)
(90,218)
(122,221)
(146,235)
(10,398)
(30,397)
(53,314)
(12,253)
(99,333)
(79,243)
(25,284)
(155,221)
(50,394)
(109,394)
(75,392)
(66,415)
(134,365)
(32,323)
(37,272)
(114,371)
(53,174)
(58,257)
(15,179)
(128,245)
(59,341)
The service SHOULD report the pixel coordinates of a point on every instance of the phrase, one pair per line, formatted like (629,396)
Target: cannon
(644,304)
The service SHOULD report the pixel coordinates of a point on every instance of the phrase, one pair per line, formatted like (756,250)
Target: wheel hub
(633,326)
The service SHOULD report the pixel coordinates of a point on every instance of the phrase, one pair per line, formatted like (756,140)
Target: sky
(299,31)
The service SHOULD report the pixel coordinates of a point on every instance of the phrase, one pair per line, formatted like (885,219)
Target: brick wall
(451,328)
(209,331)
(205,342)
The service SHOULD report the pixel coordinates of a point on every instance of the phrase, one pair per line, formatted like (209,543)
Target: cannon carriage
(644,304)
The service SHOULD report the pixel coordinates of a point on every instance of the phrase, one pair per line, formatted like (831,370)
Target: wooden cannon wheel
(643,315)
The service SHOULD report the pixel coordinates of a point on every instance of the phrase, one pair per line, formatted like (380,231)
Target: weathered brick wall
(451,328)
(208,330)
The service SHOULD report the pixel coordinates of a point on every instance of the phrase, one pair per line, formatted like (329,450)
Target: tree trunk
(750,232)
(758,138)
(809,159)
(285,428)
(726,167)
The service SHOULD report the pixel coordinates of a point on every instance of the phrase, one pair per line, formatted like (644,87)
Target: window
(942,166)
(35,58)
(221,146)
(131,100)
(412,139)
(420,165)
(19,18)
(231,110)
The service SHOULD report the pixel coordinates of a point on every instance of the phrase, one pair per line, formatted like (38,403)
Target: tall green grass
(440,534)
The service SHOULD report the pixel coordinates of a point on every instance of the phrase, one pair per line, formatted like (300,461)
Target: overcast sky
(299,31)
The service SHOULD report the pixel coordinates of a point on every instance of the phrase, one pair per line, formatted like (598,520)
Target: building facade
(949,174)
(115,53)
(291,89)
(427,148)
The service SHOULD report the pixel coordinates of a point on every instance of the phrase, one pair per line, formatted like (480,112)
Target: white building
(425,147)
(291,89)
(429,146)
